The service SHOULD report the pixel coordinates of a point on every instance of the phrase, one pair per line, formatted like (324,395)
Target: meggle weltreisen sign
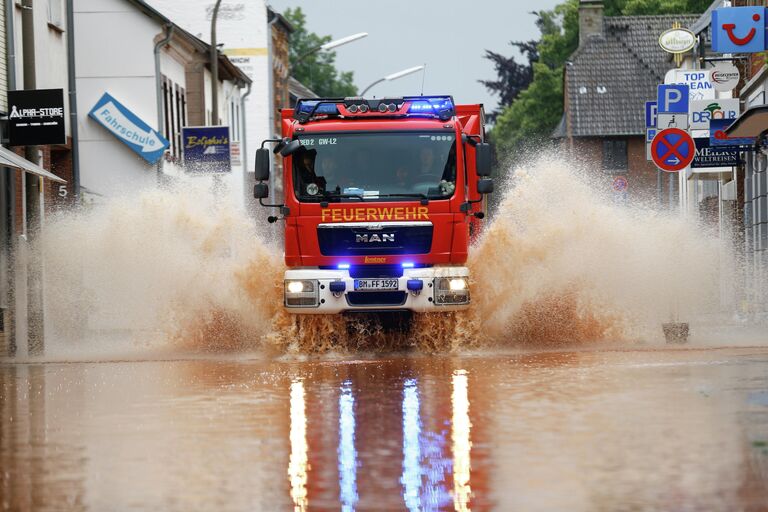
(129,128)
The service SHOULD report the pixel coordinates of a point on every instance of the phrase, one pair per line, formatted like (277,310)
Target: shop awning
(752,123)
(11,159)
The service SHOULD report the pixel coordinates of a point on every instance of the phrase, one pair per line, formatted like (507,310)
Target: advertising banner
(206,149)
(36,118)
(707,156)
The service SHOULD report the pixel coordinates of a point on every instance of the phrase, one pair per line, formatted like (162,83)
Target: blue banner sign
(739,29)
(718,137)
(206,149)
(707,156)
(672,99)
(128,128)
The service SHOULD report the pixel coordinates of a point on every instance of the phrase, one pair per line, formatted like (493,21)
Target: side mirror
(261,191)
(280,145)
(262,164)
(291,147)
(485,186)
(483,159)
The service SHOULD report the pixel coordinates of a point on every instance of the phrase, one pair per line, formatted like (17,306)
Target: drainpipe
(159,89)
(72,100)
(9,189)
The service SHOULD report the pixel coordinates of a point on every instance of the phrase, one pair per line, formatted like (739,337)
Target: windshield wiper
(334,195)
(424,198)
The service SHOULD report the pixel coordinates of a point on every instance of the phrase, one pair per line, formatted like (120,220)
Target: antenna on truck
(423,75)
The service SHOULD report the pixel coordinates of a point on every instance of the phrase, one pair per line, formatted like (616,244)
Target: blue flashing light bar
(343,266)
(430,104)
(316,107)
(407,264)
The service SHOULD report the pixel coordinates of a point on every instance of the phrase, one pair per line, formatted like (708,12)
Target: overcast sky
(450,36)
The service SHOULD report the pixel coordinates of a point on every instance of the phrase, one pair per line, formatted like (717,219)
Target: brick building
(607,81)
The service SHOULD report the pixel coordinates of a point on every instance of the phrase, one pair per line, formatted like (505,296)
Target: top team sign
(739,29)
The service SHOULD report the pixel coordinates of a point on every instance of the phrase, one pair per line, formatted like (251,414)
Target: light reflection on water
(347,454)
(297,467)
(461,443)
(656,430)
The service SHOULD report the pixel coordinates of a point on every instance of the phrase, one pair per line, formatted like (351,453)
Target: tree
(316,70)
(514,77)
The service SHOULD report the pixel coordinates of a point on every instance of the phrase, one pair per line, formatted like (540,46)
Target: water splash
(559,263)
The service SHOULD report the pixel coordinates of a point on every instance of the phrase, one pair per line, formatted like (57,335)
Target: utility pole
(32,193)
(214,67)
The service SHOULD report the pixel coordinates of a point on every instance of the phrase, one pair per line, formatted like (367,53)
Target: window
(615,155)
(374,166)
(55,13)
(174,114)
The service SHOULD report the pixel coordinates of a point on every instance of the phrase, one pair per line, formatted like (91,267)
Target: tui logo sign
(739,29)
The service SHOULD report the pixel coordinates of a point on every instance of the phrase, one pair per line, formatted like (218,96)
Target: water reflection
(297,466)
(461,443)
(411,478)
(347,453)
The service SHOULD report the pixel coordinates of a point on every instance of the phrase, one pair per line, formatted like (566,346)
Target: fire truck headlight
(295,286)
(301,293)
(451,291)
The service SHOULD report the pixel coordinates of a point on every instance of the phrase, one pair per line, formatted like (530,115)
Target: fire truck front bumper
(433,289)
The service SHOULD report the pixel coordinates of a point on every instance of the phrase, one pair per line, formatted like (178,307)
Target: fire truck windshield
(396,166)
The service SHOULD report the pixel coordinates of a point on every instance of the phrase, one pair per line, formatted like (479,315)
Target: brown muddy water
(582,430)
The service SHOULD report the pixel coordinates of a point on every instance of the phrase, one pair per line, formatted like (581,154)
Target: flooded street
(619,429)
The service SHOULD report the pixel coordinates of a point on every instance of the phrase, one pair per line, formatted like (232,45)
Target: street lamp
(330,45)
(214,67)
(394,76)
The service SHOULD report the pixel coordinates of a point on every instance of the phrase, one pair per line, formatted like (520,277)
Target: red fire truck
(382,199)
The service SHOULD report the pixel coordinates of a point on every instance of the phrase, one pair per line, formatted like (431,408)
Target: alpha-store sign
(36,117)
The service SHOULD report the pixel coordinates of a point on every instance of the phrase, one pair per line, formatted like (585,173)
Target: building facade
(607,80)
(161,74)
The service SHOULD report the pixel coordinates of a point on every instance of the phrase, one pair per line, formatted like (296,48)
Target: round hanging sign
(677,40)
(725,76)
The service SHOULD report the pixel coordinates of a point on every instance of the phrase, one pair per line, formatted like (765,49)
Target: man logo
(366,239)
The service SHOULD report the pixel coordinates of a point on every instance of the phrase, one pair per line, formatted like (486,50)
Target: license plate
(375,284)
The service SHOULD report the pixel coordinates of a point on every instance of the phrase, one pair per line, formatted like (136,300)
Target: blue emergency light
(441,107)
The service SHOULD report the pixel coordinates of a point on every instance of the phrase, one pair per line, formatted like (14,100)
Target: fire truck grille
(376,298)
(382,239)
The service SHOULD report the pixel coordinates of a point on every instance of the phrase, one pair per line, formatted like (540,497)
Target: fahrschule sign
(36,117)
(128,128)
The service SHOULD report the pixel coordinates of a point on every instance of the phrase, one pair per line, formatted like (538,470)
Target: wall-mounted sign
(718,137)
(206,149)
(36,118)
(724,77)
(128,128)
(677,40)
(738,29)
(697,80)
(707,156)
(702,111)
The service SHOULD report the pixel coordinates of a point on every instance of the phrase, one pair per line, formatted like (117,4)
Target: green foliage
(536,111)
(530,116)
(316,70)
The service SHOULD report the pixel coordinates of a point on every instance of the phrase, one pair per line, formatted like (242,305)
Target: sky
(450,36)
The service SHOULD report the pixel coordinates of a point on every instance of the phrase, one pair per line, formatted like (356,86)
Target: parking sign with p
(672,99)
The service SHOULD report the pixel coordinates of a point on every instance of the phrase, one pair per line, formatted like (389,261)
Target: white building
(246,31)
(139,56)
